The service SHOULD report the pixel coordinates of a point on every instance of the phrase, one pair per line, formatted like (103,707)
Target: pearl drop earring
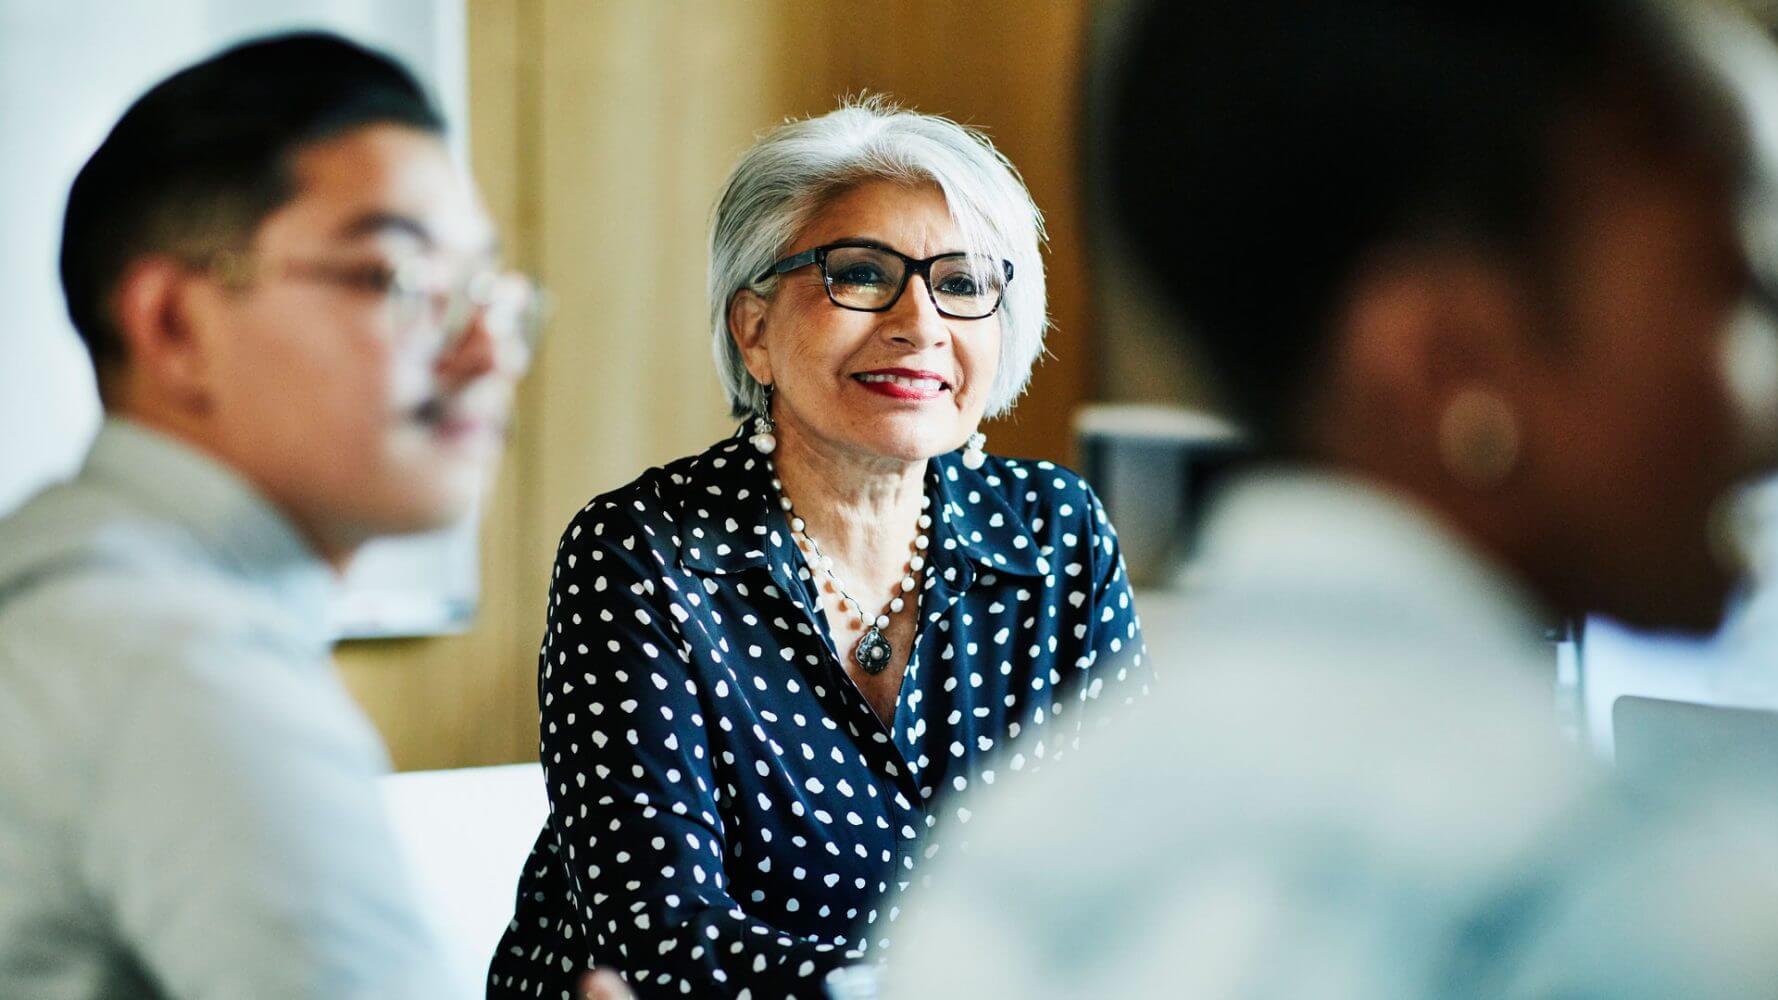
(973,456)
(762,438)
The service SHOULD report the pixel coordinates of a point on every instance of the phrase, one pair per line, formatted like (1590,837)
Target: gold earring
(1478,438)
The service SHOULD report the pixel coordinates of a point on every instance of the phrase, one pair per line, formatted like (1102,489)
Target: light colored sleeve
(1137,906)
(1241,929)
(1124,871)
(1685,906)
(236,834)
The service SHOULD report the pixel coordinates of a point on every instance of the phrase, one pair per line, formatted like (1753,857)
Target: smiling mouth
(924,382)
(446,420)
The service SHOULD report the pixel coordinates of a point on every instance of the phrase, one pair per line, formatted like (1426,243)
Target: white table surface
(466,834)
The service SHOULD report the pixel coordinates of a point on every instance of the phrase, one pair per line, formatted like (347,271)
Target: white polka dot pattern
(727,814)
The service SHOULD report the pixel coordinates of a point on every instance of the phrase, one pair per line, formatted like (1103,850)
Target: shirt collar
(728,511)
(982,525)
(230,520)
(1324,533)
(731,520)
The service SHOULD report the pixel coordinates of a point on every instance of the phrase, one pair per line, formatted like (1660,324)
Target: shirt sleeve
(237,834)
(1114,669)
(635,804)
(1120,657)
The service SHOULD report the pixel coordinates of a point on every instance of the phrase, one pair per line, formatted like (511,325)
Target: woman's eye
(859,274)
(959,284)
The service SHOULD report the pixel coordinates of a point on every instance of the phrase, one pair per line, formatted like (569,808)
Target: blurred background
(600,133)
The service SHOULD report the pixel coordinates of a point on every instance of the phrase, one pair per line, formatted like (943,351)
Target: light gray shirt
(188,797)
(1350,787)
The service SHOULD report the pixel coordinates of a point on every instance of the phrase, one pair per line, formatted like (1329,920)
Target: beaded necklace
(873,652)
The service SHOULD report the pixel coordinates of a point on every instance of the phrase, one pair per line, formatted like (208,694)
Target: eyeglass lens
(509,307)
(965,286)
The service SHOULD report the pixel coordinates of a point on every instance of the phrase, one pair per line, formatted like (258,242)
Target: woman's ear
(747,325)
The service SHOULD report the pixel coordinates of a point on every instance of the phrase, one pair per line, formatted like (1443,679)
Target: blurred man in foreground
(1469,274)
(288,290)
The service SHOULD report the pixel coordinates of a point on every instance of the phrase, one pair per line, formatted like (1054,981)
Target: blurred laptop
(1676,743)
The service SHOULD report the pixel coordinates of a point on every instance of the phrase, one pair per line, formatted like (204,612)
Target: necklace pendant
(873,651)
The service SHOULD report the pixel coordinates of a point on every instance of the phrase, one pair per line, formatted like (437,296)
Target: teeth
(925,384)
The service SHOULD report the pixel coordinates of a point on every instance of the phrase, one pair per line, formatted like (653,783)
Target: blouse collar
(730,518)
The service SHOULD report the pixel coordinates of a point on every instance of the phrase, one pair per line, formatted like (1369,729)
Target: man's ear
(747,325)
(1433,352)
(1421,329)
(152,309)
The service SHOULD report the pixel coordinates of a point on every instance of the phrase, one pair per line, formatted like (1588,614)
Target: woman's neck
(862,510)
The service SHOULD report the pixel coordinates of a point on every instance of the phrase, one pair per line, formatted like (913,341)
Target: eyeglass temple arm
(803,259)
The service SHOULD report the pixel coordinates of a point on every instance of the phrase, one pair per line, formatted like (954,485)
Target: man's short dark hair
(1260,151)
(201,159)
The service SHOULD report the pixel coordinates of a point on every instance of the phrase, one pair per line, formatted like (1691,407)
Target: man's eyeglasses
(431,307)
(871,278)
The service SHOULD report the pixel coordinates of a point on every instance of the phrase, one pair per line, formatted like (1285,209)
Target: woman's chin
(905,437)
(908,445)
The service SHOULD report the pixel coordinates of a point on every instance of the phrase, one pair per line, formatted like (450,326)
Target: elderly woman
(768,667)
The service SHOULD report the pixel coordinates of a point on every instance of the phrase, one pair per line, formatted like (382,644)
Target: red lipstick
(903,383)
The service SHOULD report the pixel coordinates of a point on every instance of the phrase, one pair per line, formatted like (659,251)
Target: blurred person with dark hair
(288,289)
(1470,275)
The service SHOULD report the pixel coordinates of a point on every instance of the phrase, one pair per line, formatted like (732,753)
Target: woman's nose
(914,319)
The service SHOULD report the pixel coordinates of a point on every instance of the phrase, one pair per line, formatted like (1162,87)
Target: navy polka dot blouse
(727,814)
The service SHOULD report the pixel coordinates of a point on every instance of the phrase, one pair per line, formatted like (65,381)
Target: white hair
(797,167)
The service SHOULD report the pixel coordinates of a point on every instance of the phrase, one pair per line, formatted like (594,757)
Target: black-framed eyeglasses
(430,306)
(870,278)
